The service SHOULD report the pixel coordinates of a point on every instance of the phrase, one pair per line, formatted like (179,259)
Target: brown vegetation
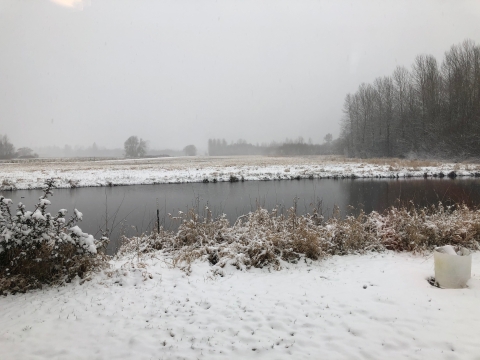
(264,238)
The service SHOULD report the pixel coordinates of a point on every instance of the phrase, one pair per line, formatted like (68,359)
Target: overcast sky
(179,72)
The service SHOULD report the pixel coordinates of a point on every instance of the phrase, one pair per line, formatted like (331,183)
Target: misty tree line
(93,150)
(220,147)
(7,150)
(133,147)
(431,110)
(138,148)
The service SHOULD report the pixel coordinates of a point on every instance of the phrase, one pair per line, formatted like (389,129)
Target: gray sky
(179,72)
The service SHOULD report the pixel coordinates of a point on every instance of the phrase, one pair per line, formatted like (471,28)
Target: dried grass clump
(396,163)
(263,238)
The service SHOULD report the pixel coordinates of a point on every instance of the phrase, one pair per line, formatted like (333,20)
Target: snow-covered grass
(32,174)
(373,306)
(212,291)
(262,239)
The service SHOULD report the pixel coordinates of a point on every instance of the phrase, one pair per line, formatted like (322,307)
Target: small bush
(233,179)
(37,247)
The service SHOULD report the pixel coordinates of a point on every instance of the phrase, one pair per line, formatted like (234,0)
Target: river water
(132,210)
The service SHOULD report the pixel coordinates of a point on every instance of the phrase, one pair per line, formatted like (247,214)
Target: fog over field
(180,72)
(239,179)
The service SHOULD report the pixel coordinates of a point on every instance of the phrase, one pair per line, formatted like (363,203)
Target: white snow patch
(197,169)
(377,306)
(38,215)
(78,214)
(44,202)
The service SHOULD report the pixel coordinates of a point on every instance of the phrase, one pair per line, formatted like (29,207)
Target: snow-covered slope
(31,175)
(376,306)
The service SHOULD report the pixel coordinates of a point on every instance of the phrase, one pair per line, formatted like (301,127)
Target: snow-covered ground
(32,174)
(376,306)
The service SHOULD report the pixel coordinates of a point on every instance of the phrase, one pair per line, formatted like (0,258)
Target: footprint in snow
(205,305)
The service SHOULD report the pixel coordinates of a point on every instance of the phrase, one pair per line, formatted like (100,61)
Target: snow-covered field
(376,306)
(32,174)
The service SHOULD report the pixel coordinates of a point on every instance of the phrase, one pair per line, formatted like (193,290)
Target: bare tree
(7,150)
(328,138)
(401,79)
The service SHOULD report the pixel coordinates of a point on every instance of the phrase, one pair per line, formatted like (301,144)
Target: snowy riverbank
(31,175)
(374,306)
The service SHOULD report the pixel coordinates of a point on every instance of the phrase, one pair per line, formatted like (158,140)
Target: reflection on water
(137,205)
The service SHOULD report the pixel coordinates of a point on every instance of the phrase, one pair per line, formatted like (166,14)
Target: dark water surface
(137,204)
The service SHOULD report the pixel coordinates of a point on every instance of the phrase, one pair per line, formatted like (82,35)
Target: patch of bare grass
(396,163)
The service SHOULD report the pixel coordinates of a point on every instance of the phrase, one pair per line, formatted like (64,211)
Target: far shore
(73,173)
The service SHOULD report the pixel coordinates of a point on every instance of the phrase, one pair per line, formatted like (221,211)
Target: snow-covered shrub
(263,238)
(38,247)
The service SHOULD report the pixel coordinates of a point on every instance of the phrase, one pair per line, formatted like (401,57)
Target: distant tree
(142,148)
(135,147)
(67,150)
(26,152)
(7,150)
(328,138)
(190,150)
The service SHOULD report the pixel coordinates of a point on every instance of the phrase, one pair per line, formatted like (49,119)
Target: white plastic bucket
(452,271)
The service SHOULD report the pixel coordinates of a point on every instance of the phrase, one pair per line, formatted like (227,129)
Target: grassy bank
(72,173)
(264,238)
